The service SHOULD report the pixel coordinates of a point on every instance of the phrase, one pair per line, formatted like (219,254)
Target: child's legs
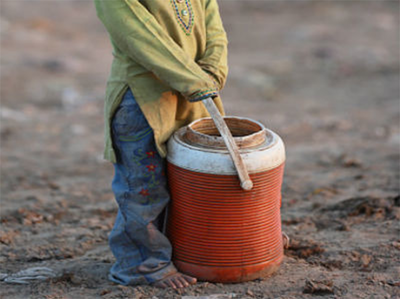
(143,253)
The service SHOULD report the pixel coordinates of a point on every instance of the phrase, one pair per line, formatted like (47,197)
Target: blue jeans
(142,251)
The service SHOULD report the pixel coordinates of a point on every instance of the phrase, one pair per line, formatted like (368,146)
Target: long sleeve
(214,60)
(137,33)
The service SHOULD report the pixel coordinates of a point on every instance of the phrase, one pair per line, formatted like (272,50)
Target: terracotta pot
(219,232)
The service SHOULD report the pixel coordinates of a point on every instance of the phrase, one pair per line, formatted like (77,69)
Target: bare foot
(175,281)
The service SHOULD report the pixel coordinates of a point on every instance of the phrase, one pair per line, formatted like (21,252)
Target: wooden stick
(245,181)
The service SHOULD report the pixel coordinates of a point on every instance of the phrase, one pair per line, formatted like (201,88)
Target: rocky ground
(322,74)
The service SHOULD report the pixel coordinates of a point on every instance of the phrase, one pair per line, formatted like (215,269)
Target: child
(168,56)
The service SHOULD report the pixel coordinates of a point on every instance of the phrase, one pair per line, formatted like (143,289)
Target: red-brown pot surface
(220,232)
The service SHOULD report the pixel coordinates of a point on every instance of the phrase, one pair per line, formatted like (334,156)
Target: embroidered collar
(188,25)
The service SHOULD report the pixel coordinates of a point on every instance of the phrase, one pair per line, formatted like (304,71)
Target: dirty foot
(175,281)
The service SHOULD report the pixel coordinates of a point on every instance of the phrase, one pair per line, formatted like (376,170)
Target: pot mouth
(247,133)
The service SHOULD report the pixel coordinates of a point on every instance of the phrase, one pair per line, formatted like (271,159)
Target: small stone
(250,293)
(105,292)
(344,227)
(365,260)
(318,287)
(394,283)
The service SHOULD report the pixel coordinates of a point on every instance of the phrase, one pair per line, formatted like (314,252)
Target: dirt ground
(323,74)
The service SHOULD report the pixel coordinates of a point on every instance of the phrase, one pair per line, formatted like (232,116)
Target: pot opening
(246,133)
(238,127)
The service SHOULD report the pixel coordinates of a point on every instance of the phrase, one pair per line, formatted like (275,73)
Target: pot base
(229,274)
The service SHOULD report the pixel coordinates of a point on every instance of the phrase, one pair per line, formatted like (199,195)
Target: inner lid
(246,133)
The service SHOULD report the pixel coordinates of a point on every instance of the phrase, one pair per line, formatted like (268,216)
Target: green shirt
(169,53)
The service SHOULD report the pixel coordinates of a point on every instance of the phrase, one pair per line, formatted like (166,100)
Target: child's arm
(214,60)
(136,32)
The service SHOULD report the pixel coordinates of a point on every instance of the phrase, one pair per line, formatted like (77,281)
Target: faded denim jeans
(142,251)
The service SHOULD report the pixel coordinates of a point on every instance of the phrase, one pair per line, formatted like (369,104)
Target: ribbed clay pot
(219,232)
